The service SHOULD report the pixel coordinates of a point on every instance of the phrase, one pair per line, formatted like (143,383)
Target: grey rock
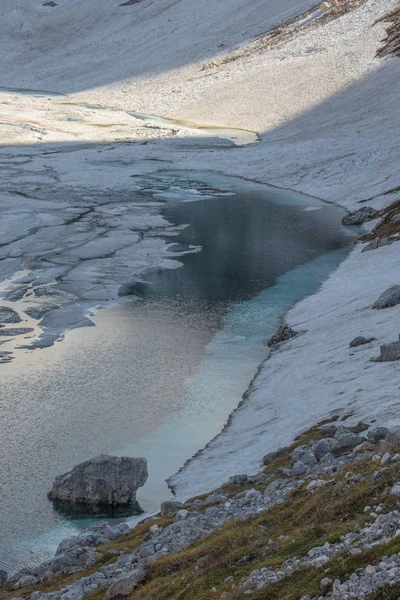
(360,341)
(104,480)
(393,437)
(268,458)
(386,459)
(215,499)
(322,448)
(258,478)
(237,480)
(395,491)
(305,455)
(328,459)
(25,581)
(390,352)
(377,434)
(274,486)
(8,315)
(389,298)
(181,515)
(360,216)
(3,577)
(170,507)
(299,468)
(326,583)
(283,334)
(126,585)
(40,596)
(345,442)
(147,550)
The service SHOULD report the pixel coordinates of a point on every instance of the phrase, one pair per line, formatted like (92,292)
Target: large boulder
(391,297)
(104,480)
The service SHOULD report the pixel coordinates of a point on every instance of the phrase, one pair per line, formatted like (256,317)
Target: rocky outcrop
(360,216)
(3,577)
(389,298)
(283,334)
(104,480)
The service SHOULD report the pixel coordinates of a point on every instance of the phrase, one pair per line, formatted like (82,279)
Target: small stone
(370,570)
(154,528)
(214,499)
(326,583)
(395,491)
(181,515)
(316,484)
(389,298)
(386,458)
(3,577)
(360,341)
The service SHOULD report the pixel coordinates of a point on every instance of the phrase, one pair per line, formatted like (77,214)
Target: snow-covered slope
(79,44)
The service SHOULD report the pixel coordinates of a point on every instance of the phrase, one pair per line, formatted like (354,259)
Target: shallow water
(159,377)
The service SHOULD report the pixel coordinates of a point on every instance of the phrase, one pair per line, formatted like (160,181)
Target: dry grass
(386,228)
(307,520)
(232,552)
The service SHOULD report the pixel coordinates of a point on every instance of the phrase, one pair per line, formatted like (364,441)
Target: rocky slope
(321,520)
